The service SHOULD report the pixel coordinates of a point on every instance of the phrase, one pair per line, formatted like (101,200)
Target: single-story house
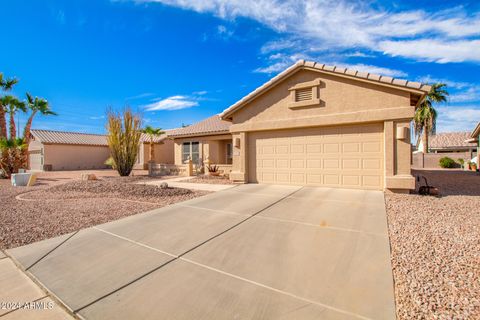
(58,150)
(448,142)
(314,125)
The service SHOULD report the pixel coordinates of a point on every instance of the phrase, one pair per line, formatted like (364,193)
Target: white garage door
(347,157)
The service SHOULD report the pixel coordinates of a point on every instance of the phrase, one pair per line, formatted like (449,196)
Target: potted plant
(473,165)
(213,170)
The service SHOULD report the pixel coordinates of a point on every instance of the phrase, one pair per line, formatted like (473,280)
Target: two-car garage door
(342,156)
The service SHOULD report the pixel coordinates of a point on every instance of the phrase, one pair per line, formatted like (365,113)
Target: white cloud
(444,36)
(457,118)
(172,103)
(97,117)
(434,50)
(468,95)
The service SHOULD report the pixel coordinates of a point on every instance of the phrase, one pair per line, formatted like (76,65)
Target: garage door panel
(349,156)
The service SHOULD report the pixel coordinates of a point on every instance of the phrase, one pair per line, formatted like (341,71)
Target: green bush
(447,162)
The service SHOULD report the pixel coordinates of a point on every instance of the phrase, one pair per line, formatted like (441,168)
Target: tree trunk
(425,139)
(26,136)
(152,153)
(3,123)
(13,129)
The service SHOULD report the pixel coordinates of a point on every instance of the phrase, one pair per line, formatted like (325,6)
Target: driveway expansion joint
(55,248)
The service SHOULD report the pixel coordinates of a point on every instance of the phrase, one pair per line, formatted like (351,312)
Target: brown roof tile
(212,125)
(78,138)
(449,140)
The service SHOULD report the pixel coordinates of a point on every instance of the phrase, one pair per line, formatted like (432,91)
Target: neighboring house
(475,139)
(448,142)
(58,150)
(315,125)
(208,139)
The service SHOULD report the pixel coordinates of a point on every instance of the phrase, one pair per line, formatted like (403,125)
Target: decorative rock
(89,176)
(163,185)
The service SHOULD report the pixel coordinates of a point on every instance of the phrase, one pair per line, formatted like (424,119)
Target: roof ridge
(380,79)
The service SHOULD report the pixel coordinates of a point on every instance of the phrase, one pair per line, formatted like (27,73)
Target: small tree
(5,85)
(123,139)
(152,132)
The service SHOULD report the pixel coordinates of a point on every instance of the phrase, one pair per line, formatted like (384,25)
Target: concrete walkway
(250,252)
(178,183)
(21,298)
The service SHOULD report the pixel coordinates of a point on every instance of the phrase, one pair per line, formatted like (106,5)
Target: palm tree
(425,118)
(35,105)
(152,132)
(13,105)
(5,85)
(11,159)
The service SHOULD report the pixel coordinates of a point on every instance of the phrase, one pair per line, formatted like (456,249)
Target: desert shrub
(447,162)
(11,155)
(110,163)
(123,139)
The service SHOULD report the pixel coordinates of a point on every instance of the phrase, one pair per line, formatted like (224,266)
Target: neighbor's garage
(340,156)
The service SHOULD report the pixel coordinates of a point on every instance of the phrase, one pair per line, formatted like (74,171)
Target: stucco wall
(431,160)
(341,101)
(163,153)
(75,157)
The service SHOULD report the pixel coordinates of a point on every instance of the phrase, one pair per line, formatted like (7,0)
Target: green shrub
(110,163)
(447,162)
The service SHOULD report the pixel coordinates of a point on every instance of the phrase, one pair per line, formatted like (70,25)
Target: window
(191,150)
(229,151)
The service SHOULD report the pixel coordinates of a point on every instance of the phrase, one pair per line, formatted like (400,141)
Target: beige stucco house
(58,150)
(322,126)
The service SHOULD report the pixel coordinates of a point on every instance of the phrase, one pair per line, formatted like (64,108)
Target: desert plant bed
(210,179)
(36,213)
(435,243)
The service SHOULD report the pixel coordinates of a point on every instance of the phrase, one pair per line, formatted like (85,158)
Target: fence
(431,160)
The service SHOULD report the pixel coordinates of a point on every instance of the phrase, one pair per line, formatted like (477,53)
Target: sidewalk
(21,298)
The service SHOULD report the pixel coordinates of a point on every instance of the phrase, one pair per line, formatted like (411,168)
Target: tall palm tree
(5,85)
(152,132)
(13,105)
(35,105)
(425,118)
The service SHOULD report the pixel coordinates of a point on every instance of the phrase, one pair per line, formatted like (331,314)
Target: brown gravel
(210,180)
(436,248)
(53,208)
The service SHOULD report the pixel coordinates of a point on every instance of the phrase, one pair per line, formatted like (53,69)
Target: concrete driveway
(250,252)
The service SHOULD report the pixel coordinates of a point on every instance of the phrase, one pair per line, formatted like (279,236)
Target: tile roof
(449,140)
(78,138)
(417,86)
(212,125)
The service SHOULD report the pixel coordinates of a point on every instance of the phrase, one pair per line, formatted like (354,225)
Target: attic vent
(303,94)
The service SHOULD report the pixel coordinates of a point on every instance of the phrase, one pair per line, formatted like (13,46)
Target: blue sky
(180,61)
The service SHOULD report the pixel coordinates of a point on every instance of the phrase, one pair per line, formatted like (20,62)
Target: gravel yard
(435,245)
(59,204)
(210,179)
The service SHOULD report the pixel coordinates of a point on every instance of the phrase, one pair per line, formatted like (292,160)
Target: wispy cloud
(172,103)
(457,118)
(140,96)
(444,36)
(96,117)
(278,62)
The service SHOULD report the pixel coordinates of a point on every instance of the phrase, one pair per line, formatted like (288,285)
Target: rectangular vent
(303,94)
